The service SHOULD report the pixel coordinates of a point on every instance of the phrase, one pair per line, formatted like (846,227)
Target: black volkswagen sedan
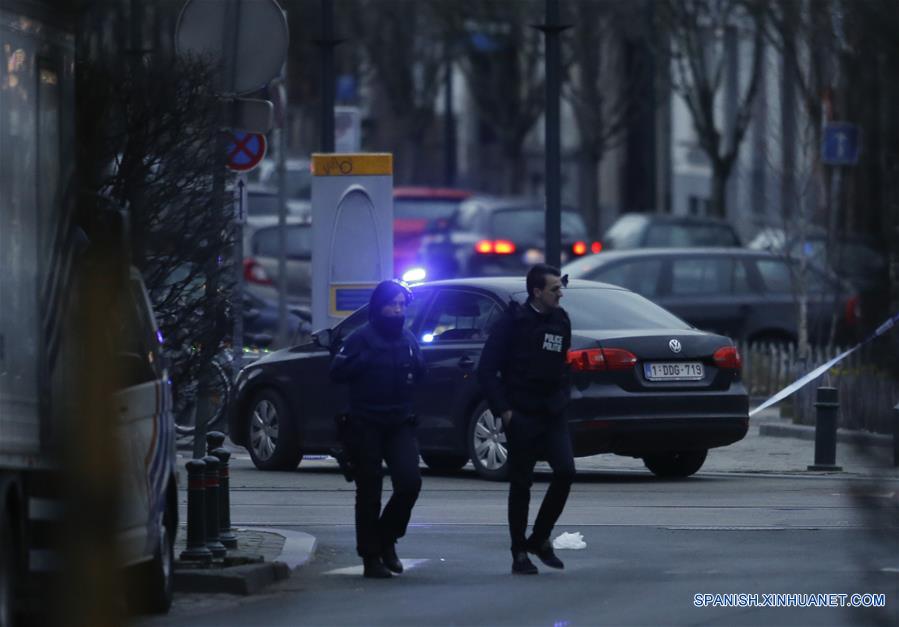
(643,383)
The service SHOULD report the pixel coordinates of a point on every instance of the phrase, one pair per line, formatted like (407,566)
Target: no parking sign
(245,150)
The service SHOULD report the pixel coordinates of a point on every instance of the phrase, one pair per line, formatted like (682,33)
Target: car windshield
(601,309)
(299,242)
(424,208)
(529,225)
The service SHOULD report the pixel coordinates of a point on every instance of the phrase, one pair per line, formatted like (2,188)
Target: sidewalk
(262,557)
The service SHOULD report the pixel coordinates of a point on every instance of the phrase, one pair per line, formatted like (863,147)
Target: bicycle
(185,408)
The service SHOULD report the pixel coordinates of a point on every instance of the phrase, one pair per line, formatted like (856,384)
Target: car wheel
(679,464)
(487,444)
(272,434)
(8,572)
(444,461)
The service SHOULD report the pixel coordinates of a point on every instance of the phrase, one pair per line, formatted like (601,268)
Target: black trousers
(532,437)
(372,442)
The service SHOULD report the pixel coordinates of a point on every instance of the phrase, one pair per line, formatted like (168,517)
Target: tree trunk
(718,200)
(588,192)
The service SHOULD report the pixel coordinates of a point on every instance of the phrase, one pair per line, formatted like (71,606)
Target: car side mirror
(323,338)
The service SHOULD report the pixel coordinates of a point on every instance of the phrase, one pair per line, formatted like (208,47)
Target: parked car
(644,383)
(489,236)
(743,294)
(660,230)
(261,253)
(298,174)
(263,200)
(260,322)
(856,259)
(415,210)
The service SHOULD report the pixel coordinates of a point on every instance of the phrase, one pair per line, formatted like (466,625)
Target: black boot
(521,565)
(544,550)
(374,568)
(390,560)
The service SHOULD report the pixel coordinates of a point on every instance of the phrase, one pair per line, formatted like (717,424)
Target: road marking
(408,564)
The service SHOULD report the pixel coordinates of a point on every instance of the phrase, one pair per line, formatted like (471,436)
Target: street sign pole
(282,217)
(240,216)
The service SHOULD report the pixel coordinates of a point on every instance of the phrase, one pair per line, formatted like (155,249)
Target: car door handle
(466,363)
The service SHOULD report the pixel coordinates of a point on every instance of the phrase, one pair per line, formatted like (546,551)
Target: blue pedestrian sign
(841,143)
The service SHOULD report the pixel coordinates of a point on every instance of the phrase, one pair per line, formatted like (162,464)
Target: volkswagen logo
(674,345)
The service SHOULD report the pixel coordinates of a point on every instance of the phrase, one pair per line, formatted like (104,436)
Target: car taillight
(595,359)
(503,247)
(596,247)
(579,248)
(728,358)
(255,273)
(500,247)
(853,311)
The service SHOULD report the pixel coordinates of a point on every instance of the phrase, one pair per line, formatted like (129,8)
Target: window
(527,225)
(625,233)
(299,242)
(708,275)
(776,275)
(458,315)
(690,235)
(641,276)
(360,316)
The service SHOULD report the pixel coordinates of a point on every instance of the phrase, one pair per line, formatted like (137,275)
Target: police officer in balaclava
(381,361)
(528,347)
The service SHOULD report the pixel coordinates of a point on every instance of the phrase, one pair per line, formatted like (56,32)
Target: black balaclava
(384,293)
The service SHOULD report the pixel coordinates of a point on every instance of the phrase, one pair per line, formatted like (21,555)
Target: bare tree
(398,38)
(501,57)
(705,36)
(153,152)
(605,87)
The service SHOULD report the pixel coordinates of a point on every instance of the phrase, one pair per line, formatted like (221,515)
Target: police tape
(817,372)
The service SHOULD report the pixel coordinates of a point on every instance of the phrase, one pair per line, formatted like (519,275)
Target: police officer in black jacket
(527,347)
(381,362)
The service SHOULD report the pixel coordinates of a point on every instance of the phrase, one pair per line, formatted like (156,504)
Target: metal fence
(868,393)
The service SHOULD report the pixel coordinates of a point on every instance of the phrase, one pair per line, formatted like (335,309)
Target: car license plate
(674,371)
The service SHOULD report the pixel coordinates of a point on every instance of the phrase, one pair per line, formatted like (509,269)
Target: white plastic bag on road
(569,541)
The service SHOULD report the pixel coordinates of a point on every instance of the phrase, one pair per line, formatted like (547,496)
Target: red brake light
(596,247)
(728,358)
(255,273)
(503,247)
(619,359)
(485,247)
(587,360)
(579,248)
(596,359)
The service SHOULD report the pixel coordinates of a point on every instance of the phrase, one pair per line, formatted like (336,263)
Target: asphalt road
(651,547)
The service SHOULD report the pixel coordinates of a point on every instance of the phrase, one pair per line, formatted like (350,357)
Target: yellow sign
(363,164)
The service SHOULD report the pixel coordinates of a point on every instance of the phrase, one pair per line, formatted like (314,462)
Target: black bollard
(827,404)
(212,507)
(214,440)
(196,513)
(226,533)
(896,435)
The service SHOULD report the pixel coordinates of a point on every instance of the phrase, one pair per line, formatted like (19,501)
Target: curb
(806,432)
(244,580)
